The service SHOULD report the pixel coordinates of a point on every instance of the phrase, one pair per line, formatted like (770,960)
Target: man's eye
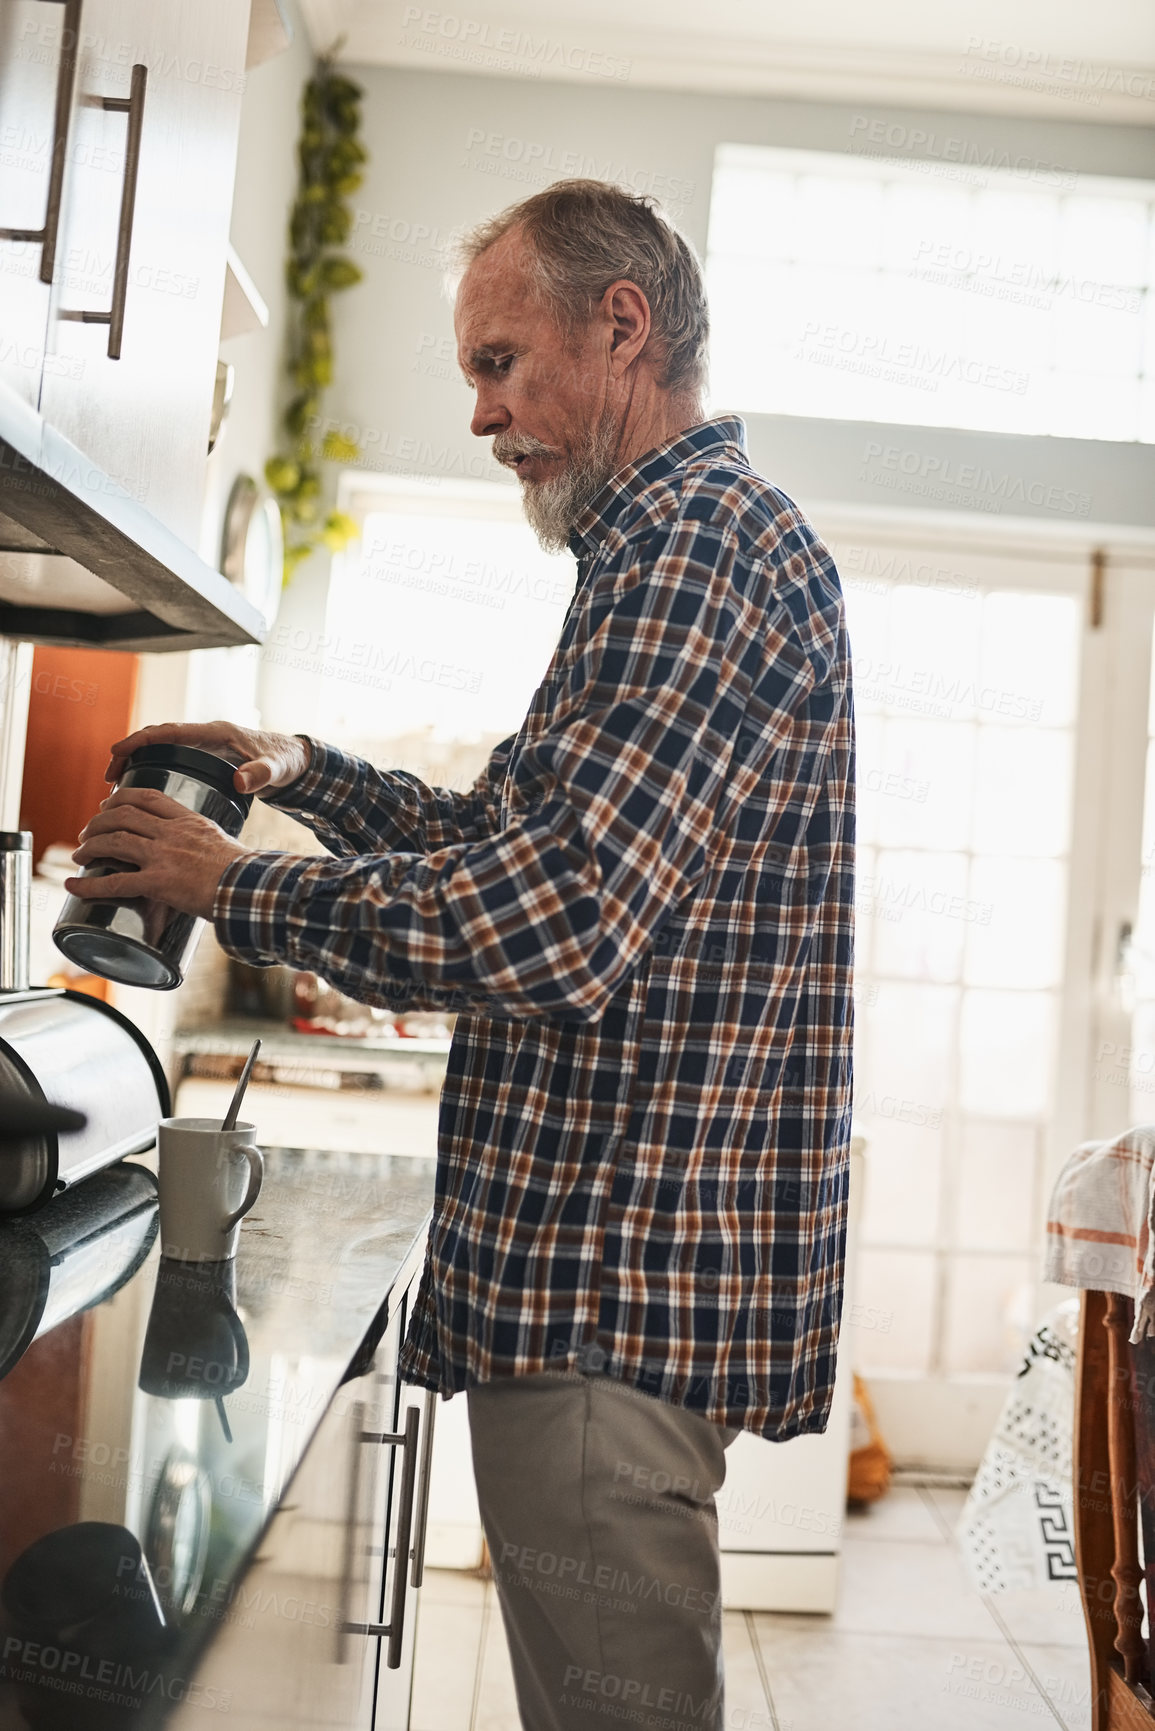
(502,364)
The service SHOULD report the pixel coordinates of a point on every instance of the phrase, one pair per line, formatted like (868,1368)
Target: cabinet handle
(133,106)
(422,1517)
(45,237)
(394,1629)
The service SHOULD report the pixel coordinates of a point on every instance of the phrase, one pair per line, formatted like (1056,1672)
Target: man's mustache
(509,446)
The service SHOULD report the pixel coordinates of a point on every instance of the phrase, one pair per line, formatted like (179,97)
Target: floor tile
(1045,1616)
(445,1664)
(1065,1674)
(907,1588)
(826,1678)
(496,1708)
(946,1504)
(453,1587)
(747,1708)
(902,1513)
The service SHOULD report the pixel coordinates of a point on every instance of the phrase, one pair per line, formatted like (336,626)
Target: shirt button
(591,1358)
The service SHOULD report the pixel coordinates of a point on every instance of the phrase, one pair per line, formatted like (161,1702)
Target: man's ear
(628,311)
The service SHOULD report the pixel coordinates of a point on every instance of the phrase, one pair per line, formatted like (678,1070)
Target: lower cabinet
(321,1629)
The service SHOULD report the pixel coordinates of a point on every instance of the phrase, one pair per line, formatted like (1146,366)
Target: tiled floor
(912,1646)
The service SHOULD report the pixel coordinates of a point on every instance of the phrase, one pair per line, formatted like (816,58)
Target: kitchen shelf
(243,309)
(82,564)
(270,32)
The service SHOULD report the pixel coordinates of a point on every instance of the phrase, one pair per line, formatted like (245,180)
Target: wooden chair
(1114,1480)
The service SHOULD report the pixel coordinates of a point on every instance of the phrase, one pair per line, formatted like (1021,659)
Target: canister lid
(15,841)
(205,765)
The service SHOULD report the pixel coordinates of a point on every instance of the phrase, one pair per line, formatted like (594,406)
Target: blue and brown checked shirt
(641,912)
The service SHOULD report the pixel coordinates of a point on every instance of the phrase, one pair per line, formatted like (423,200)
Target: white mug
(209,1179)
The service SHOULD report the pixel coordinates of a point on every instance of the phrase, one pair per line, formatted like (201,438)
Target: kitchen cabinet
(142,242)
(118,134)
(30,73)
(339,1561)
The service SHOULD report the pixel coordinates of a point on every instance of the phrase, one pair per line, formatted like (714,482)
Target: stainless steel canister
(143,942)
(15,889)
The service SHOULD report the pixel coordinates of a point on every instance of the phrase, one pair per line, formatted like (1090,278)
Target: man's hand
(264,760)
(181,854)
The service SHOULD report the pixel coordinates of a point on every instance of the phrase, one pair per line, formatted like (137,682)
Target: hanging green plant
(330,156)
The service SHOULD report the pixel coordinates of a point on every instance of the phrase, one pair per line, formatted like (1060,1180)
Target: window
(442,619)
(862,289)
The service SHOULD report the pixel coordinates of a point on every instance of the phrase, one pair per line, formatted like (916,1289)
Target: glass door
(983,672)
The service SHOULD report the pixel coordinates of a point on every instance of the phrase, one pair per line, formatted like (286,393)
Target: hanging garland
(330,157)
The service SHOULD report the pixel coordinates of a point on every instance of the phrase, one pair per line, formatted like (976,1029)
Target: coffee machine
(67,1049)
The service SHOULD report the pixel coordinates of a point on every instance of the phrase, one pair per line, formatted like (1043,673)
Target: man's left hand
(181,855)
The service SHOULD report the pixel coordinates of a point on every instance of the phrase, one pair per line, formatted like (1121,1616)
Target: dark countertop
(173,1412)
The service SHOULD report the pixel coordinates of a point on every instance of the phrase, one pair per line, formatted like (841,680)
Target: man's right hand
(265,761)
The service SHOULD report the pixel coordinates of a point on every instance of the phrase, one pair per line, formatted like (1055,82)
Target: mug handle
(256,1179)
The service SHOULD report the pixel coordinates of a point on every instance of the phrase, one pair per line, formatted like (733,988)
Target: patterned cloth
(1017,1529)
(642,911)
(1101,1222)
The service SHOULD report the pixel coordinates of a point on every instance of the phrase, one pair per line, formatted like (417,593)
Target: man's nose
(489,416)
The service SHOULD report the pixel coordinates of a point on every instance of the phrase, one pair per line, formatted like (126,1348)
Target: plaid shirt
(642,913)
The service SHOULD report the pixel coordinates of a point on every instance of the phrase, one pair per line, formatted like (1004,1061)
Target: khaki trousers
(598,1508)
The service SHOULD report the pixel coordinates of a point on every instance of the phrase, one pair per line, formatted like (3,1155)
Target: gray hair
(582,235)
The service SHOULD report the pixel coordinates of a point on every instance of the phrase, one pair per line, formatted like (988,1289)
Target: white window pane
(865,871)
(891,1311)
(912,1055)
(837,220)
(1095,336)
(1104,239)
(869,755)
(1087,406)
(1145,314)
(996,1205)
(918,783)
(739,201)
(926,227)
(1016,938)
(1020,237)
(901,1199)
(1005,1048)
(988,1313)
(920,919)
(1023,791)
(934,654)
(396,657)
(1029,668)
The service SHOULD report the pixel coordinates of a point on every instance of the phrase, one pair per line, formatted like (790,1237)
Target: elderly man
(642,912)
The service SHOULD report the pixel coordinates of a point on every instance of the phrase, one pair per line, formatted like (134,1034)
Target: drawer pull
(65,73)
(394,1630)
(418,1574)
(133,106)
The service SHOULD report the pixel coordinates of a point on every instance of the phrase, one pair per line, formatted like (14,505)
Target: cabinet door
(142,416)
(31,55)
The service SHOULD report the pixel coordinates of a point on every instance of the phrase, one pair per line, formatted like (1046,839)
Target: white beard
(553,507)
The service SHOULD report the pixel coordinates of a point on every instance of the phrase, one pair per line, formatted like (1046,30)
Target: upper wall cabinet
(32,71)
(118,126)
(136,299)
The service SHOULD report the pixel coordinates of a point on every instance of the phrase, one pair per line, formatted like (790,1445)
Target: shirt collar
(723,432)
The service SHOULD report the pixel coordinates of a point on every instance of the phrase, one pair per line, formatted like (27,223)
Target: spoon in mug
(239,1090)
